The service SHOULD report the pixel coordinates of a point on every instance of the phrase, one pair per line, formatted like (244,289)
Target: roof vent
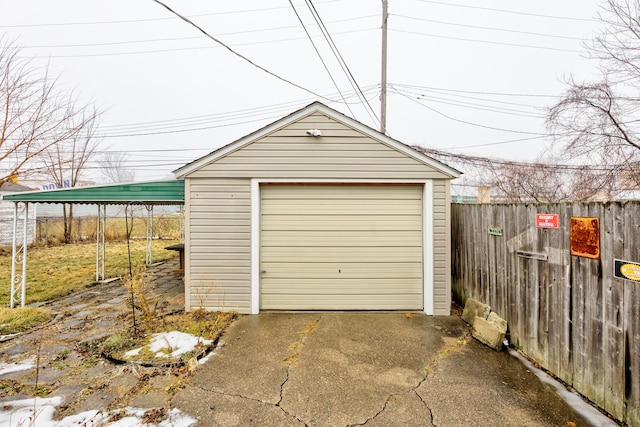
(314,132)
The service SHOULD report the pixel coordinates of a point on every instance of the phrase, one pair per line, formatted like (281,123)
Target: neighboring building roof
(306,111)
(154,193)
(12,187)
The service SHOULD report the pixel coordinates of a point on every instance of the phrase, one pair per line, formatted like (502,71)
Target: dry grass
(56,271)
(206,324)
(200,323)
(21,319)
(83,229)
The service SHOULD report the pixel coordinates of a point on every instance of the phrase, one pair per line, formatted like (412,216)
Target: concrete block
(473,308)
(490,331)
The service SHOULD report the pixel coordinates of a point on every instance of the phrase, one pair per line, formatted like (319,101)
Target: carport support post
(15,258)
(100,241)
(149,251)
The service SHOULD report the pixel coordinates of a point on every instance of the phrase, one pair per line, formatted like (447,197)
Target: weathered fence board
(566,312)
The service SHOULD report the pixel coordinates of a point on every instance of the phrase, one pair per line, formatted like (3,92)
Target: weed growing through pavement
(59,362)
(139,285)
(447,350)
(115,343)
(296,347)
(208,325)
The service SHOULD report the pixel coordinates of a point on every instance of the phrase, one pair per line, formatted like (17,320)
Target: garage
(317,211)
(341,247)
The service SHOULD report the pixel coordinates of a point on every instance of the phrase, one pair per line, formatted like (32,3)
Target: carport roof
(169,192)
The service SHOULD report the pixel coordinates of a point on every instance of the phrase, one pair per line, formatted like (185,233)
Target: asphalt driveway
(374,369)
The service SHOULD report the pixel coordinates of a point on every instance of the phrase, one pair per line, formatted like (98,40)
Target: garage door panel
(363,208)
(342,222)
(341,247)
(345,302)
(339,254)
(310,238)
(343,286)
(337,272)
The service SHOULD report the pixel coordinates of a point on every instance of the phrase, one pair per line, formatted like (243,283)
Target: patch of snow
(573,399)
(20,413)
(178,342)
(133,352)
(6,337)
(214,352)
(6,368)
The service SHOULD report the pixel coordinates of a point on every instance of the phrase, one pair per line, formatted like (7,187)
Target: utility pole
(383,80)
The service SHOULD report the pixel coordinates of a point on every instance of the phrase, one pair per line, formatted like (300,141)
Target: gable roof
(315,107)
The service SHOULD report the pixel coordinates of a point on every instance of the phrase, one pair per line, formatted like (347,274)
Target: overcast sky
(464,76)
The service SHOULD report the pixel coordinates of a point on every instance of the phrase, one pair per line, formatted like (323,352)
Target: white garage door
(341,247)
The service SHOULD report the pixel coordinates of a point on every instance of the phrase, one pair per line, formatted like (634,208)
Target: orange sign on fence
(585,237)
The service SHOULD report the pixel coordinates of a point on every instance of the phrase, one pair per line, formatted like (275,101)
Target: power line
(488,144)
(93,55)
(477,160)
(343,64)
(196,129)
(467,122)
(473,105)
(488,28)
(324,64)
(535,95)
(188,21)
(227,119)
(480,107)
(257,112)
(56,46)
(486,41)
(569,18)
(136,21)
(155,131)
(423,91)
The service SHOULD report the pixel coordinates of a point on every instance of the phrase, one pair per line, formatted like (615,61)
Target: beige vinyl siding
(340,153)
(328,247)
(219,244)
(441,248)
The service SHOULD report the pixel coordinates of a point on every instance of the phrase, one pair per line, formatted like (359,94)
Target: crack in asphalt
(253,399)
(291,360)
(238,395)
(279,404)
(445,351)
(391,396)
(295,347)
(384,407)
(424,402)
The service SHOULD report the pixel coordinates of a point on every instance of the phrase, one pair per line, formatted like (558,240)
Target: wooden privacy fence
(569,313)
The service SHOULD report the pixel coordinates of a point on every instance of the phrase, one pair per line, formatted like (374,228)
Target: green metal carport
(149,194)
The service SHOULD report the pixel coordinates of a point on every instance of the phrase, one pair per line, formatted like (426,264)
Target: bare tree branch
(66,160)
(113,167)
(35,114)
(595,123)
(543,181)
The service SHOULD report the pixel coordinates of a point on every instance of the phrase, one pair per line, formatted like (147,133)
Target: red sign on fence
(547,221)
